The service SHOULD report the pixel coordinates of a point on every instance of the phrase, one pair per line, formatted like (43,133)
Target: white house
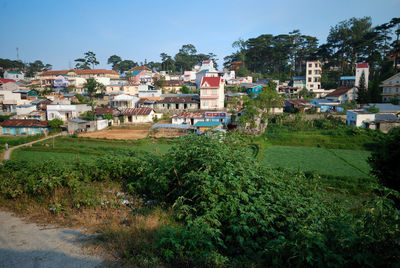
(207,65)
(313,75)
(212,93)
(66,112)
(343,94)
(124,101)
(148,91)
(187,118)
(137,115)
(25,109)
(14,75)
(358,118)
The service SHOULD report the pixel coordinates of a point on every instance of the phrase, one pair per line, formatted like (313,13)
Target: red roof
(79,72)
(206,61)
(211,81)
(24,123)
(136,111)
(4,81)
(339,91)
(140,68)
(362,65)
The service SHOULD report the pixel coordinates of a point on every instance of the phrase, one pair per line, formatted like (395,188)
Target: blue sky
(58,31)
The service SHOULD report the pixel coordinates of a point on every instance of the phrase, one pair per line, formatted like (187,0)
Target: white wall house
(212,93)
(313,75)
(358,118)
(66,112)
(14,75)
(124,101)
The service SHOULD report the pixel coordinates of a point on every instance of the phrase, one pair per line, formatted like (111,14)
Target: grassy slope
(70,148)
(322,161)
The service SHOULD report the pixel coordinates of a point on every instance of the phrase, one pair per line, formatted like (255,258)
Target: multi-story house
(313,75)
(212,93)
(391,88)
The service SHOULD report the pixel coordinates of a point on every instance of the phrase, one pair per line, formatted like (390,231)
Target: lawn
(335,162)
(67,148)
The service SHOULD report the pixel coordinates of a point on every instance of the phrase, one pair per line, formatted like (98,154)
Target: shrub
(384,160)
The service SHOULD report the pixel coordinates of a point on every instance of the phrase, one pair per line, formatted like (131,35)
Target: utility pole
(17,54)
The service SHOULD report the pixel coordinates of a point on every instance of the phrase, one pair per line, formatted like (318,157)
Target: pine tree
(362,97)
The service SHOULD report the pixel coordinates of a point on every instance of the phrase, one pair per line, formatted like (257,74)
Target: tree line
(30,69)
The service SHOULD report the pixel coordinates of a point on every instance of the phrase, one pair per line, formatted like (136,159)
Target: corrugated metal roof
(136,111)
(24,123)
(207,124)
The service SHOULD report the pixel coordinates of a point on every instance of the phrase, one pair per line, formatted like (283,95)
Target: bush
(384,160)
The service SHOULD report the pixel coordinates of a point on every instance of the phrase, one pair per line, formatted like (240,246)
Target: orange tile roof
(79,72)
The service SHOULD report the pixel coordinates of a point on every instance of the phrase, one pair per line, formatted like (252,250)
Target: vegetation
(88,60)
(225,209)
(384,159)
(56,123)
(329,133)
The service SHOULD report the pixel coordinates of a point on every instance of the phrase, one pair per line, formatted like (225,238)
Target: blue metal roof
(207,124)
(171,126)
(347,78)
(299,78)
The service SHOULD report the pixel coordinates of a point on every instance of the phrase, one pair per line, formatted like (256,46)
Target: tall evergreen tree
(362,97)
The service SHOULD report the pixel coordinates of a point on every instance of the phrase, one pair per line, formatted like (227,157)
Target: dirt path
(7,154)
(29,245)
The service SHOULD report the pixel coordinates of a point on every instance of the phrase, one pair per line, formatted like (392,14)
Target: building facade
(212,93)
(313,75)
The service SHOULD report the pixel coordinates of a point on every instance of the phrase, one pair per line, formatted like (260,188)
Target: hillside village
(137,97)
(284,155)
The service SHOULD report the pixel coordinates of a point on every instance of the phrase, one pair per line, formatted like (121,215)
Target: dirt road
(120,134)
(7,154)
(29,245)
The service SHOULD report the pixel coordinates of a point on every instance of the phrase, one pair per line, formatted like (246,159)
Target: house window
(310,65)
(309,79)
(309,72)
(312,85)
(316,65)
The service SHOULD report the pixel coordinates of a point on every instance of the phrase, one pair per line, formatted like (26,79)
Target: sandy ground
(120,134)
(30,245)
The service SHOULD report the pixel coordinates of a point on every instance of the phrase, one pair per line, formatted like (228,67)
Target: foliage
(81,98)
(229,210)
(185,89)
(362,95)
(92,86)
(89,59)
(55,123)
(298,227)
(384,159)
(372,109)
(304,93)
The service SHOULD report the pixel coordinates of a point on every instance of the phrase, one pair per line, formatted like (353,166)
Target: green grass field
(334,162)
(67,148)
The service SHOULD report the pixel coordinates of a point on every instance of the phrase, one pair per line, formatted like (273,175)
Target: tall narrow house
(313,75)
(212,93)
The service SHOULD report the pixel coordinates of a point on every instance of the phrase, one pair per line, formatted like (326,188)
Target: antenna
(17,54)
